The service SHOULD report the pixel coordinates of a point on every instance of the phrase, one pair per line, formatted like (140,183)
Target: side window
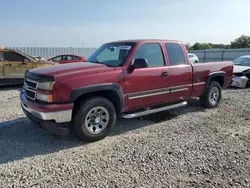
(246,62)
(57,58)
(64,58)
(69,57)
(12,56)
(175,54)
(152,53)
(75,58)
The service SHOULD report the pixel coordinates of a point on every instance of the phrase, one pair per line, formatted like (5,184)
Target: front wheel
(94,119)
(212,96)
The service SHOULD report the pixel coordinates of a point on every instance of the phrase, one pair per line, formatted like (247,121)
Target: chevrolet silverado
(128,78)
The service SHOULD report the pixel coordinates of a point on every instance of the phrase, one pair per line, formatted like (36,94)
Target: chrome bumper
(239,81)
(58,116)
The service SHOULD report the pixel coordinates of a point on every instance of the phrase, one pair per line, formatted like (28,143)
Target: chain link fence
(203,55)
(50,52)
(220,54)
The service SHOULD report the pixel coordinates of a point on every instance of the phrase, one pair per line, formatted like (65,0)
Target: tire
(212,96)
(196,62)
(94,119)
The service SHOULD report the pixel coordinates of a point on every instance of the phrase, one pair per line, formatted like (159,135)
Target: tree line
(242,42)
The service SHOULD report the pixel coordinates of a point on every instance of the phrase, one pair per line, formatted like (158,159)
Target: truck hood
(239,69)
(64,70)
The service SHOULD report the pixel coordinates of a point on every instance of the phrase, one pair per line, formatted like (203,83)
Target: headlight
(44,97)
(46,85)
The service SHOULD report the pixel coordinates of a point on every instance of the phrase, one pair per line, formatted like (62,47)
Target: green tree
(200,46)
(221,46)
(242,42)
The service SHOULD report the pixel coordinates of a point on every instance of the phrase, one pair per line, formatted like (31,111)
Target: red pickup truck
(128,78)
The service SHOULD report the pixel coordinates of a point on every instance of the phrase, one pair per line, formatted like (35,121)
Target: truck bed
(201,71)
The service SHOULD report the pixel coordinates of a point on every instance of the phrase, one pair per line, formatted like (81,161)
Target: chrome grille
(30,87)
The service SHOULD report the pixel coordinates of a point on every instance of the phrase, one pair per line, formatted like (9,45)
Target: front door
(147,86)
(14,67)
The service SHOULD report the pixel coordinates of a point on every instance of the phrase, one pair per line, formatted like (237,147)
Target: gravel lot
(187,147)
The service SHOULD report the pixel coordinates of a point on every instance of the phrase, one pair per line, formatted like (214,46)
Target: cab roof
(143,40)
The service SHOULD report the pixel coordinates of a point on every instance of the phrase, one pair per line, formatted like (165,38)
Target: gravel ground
(187,147)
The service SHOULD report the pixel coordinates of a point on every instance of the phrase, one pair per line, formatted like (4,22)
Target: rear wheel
(212,96)
(94,119)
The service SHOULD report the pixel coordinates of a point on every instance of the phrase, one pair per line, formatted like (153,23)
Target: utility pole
(78,40)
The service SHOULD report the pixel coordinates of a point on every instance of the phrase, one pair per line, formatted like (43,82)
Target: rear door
(180,77)
(14,67)
(146,86)
(64,59)
(71,59)
(76,59)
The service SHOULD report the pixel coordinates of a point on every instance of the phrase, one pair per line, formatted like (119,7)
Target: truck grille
(30,87)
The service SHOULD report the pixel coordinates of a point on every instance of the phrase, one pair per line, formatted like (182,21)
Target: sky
(89,23)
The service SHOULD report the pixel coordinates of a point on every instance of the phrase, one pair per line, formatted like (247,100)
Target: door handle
(164,74)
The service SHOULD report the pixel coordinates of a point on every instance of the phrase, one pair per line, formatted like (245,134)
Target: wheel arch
(219,76)
(110,91)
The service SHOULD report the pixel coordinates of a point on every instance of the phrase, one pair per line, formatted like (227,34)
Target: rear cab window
(175,54)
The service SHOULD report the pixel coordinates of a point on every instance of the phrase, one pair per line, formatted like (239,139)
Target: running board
(155,110)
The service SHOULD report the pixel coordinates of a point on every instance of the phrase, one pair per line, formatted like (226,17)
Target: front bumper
(58,117)
(55,118)
(61,129)
(60,113)
(239,81)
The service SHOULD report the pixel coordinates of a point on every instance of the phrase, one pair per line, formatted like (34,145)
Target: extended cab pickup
(124,78)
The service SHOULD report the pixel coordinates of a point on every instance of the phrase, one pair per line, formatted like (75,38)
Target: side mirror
(139,63)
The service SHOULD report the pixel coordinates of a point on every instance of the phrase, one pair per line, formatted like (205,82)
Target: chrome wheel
(96,120)
(214,95)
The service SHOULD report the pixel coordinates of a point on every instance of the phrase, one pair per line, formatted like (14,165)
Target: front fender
(115,87)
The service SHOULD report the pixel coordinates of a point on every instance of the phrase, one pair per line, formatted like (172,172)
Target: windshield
(111,55)
(242,61)
(26,55)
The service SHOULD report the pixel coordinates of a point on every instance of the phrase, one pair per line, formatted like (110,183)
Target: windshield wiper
(98,62)
(95,62)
